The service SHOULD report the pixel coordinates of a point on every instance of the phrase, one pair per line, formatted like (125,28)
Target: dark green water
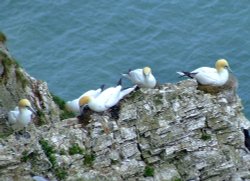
(79,46)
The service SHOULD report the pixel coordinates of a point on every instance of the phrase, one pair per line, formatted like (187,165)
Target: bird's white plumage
(127,91)
(138,77)
(12,116)
(108,98)
(73,105)
(20,117)
(208,75)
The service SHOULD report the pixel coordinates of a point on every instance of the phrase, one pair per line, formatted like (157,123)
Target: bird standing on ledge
(142,77)
(20,117)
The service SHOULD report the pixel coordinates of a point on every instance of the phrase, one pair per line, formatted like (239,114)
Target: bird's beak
(32,110)
(81,110)
(229,69)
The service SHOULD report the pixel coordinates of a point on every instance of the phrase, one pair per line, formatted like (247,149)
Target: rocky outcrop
(173,132)
(15,84)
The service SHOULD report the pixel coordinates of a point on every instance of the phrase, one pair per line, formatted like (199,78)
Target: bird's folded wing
(12,116)
(113,98)
(136,76)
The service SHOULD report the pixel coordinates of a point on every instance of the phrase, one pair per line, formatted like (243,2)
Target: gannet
(142,77)
(73,105)
(20,117)
(106,99)
(217,76)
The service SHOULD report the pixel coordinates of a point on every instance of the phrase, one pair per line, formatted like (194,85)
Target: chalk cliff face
(173,132)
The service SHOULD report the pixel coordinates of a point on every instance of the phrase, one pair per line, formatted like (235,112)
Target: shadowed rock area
(173,132)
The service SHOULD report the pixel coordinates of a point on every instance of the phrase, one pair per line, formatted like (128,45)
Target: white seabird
(73,105)
(217,76)
(20,117)
(142,77)
(106,99)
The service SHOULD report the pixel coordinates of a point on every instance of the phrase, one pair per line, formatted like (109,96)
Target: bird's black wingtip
(119,82)
(102,87)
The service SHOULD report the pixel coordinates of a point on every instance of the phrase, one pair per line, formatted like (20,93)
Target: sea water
(79,45)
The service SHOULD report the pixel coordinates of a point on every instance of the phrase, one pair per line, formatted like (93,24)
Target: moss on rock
(3,37)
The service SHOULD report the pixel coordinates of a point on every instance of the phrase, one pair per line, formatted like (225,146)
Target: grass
(60,173)
(114,162)
(205,136)
(3,38)
(136,95)
(89,159)
(41,116)
(25,156)
(75,149)
(176,179)
(158,99)
(62,152)
(49,151)
(9,64)
(59,101)
(149,171)
(20,77)
(64,114)
(5,134)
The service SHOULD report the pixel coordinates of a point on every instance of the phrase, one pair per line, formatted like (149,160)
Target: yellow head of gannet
(24,103)
(84,101)
(221,64)
(146,70)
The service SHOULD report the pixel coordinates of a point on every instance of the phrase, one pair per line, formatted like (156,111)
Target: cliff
(173,132)
(16,84)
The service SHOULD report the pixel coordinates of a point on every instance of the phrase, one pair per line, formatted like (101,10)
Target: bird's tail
(126,91)
(102,87)
(119,82)
(126,74)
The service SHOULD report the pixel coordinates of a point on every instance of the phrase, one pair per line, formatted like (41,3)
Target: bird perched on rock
(247,138)
(142,77)
(73,105)
(20,117)
(106,99)
(217,76)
